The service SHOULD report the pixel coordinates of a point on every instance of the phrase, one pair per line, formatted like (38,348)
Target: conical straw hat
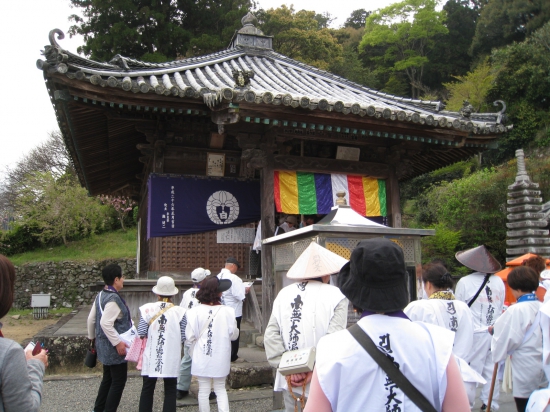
(478,259)
(314,262)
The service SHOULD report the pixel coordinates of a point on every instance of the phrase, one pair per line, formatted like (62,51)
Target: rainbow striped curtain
(312,193)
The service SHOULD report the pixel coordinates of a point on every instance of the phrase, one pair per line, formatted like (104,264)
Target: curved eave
(278,80)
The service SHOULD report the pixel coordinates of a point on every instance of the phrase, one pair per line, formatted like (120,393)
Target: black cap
(375,278)
(231,259)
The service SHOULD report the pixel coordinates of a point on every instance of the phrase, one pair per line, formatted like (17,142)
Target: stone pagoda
(525,219)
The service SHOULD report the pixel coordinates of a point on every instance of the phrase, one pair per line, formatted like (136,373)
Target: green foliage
(400,36)
(522,80)
(111,245)
(473,87)
(503,22)
(443,245)
(449,55)
(357,19)
(18,240)
(155,30)
(299,35)
(60,209)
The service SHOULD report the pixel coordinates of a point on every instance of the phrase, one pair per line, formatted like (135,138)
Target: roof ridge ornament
(56,57)
(250,36)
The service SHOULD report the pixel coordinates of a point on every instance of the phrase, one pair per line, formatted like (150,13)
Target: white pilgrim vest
(453,315)
(188,299)
(545,328)
(161,357)
(352,381)
(303,311)
(488,306)
(234,296)
(510,331)
(212,349)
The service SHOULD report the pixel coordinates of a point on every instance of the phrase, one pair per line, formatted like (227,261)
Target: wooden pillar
(155,243)
(392,199)
(268,228)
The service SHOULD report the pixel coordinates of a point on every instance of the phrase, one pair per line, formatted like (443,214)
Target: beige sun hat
(314,262)
(165,287)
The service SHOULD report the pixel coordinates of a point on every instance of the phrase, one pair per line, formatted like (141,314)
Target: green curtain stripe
(307,196)
(382,197)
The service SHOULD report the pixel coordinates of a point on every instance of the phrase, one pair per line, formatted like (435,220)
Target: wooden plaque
(215,164)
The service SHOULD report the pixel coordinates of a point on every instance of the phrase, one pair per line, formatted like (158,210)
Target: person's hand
(42,356)
(246,290)
(299,379)
(121,348)
(491,330)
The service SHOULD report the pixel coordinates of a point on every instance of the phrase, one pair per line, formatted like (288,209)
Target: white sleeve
(91,322)
(110,315)
(460,292)
(508,335)
(237,289)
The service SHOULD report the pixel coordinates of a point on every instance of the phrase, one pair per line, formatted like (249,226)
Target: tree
(449,55)
(59,208)
(51,156)
(522,80)
(357,19)
(122,206)
(402,34)
(473,87)
(155,30)
(503,22)
(298,35)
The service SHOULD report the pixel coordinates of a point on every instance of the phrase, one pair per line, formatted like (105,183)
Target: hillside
(110,245)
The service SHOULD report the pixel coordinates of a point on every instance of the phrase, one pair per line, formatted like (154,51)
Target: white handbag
(128,336)
(297,361)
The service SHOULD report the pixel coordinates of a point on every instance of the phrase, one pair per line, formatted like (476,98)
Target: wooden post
(268,228)
(392,199)
(155,243)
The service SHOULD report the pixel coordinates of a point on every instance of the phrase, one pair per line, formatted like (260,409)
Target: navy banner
(181,205)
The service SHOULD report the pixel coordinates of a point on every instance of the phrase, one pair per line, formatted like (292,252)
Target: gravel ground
(78,395)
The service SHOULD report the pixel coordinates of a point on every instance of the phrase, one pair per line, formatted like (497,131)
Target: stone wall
(68,282)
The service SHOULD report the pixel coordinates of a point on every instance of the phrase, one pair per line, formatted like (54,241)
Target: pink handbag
(136,350)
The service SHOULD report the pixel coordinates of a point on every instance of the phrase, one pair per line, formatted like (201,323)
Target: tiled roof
(275,80)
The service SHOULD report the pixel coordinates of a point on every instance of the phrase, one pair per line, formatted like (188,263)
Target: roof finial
(341,198)
(249,20)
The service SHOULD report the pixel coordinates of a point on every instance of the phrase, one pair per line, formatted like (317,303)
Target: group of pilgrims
(205,324)
(448,343)
(444,345)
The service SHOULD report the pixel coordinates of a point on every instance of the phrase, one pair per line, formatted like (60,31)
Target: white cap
(199,274)
(165,287)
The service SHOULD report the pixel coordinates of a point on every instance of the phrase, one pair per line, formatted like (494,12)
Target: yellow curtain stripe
(372,201)
(288,188)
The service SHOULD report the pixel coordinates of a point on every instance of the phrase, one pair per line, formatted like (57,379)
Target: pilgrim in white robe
(352,381)
(453,315)
(301,315)
(188,299)
(509,338)
(545,330)
(486,309)
(161,357)
(209,332)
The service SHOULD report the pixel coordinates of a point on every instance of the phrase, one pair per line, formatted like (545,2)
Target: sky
(26,113)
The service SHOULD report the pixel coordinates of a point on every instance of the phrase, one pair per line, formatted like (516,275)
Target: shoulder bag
(393,373)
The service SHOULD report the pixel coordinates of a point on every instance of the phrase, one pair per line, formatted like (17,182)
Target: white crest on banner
(222,208)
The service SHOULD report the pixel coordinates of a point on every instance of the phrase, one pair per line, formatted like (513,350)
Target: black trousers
(235,343)
(148,392)
(111,387)
(521,404)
